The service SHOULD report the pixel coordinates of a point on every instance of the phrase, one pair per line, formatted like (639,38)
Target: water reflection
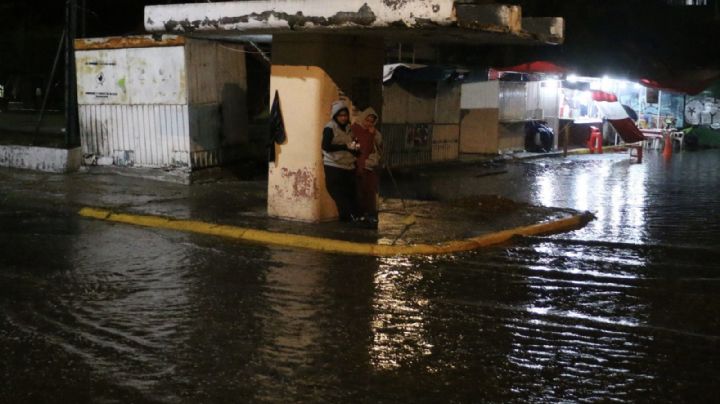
(291,322)
(123,308)
(623,310)
(399,319)
(612,188)
(581,321)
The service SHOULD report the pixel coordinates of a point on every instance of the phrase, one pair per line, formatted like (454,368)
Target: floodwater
(626,309)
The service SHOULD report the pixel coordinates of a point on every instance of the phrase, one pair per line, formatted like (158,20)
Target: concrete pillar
(310,71)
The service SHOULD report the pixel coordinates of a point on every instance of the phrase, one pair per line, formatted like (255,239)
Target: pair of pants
(340,184)
(367,189)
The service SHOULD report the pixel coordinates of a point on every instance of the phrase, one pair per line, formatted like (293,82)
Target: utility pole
(83,18)
(71,118)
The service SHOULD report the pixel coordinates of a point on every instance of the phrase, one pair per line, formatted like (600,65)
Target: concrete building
(325,50)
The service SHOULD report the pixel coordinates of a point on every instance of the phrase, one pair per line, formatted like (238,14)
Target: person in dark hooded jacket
(339,151)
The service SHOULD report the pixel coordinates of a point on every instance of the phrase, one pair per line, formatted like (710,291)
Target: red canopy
(540,66)
(685,82)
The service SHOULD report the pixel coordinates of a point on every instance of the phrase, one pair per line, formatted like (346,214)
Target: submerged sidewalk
(241,205)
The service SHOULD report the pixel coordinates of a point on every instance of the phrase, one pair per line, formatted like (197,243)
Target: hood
(338,106)
(366,112)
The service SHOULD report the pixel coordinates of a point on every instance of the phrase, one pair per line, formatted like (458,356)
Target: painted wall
(702,110)
(52,160)
(310,72)
(132,76)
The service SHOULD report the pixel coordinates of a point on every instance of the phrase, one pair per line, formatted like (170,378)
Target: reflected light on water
(581,191)
(398,323)
(131,302)
(547,311)
(571,322)
(636,205)
(546,190)
(613,189)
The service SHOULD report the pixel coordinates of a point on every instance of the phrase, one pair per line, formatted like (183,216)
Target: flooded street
(626,309)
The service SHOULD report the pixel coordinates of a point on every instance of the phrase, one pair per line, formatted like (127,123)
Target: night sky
(625,37)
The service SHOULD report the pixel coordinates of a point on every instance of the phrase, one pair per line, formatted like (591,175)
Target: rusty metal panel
(445,142)
(205,140)
(401,105)
(447,104)
(394,104)
(513,101)
(549,98)
(407,144)
(137,135)
(137,41)
(132,76)
(533,103)
(202,71)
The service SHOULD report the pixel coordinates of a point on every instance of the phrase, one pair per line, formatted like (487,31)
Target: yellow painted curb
(606,149)
(337,246)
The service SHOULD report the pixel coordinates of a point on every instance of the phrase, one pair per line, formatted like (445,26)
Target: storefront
(649,108)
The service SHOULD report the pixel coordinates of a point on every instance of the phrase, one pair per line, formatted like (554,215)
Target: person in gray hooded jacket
(339,154)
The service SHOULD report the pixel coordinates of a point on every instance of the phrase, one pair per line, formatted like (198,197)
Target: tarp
(618,117)
(389,70)
(417,73)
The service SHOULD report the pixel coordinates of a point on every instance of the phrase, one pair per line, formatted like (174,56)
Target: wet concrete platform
(242,203)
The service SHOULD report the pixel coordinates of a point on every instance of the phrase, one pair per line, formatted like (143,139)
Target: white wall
(132,76)
(480,95)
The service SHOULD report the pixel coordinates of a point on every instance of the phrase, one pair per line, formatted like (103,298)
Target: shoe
(366,222)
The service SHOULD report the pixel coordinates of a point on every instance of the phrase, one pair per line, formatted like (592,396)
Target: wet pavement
(625,309)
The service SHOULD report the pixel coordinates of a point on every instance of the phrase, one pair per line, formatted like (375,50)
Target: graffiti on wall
(702,111)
